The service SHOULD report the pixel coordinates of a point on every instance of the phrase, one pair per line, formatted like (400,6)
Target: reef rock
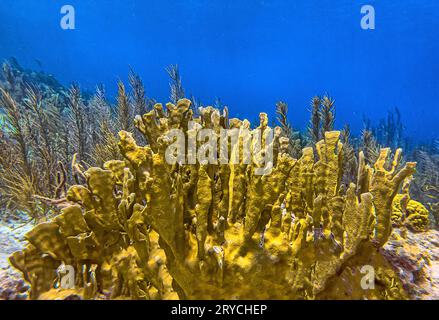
(415,256)
(12,285)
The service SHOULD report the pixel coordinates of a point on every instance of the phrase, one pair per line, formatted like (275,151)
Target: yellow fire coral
(142,228)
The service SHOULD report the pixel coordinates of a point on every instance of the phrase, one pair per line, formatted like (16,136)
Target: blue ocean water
(250,54)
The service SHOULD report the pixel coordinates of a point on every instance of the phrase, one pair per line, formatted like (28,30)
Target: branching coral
(28,144)
(315,121)
(327,114)
(350,162)
(425,187)
(143,228)
(79,120)
(295,148)
(369,146)
(175,84)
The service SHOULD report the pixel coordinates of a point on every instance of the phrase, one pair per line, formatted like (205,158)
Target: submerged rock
(415,256)
(12,285)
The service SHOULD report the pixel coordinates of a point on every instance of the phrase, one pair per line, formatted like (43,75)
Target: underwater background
(248,54)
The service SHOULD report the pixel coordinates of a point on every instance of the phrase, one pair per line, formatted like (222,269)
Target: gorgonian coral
(143,228)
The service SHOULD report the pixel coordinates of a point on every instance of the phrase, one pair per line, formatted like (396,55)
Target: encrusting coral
(408,212)
(142,228)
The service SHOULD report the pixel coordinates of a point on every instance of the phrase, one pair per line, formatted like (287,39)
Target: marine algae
(141,228)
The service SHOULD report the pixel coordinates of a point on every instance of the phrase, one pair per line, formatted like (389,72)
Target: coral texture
(415,256)
(410,212)
(141,228)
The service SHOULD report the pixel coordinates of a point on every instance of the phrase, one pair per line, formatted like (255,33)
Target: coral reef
(142,228)
(133,226)
(410,212)
(415,257)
